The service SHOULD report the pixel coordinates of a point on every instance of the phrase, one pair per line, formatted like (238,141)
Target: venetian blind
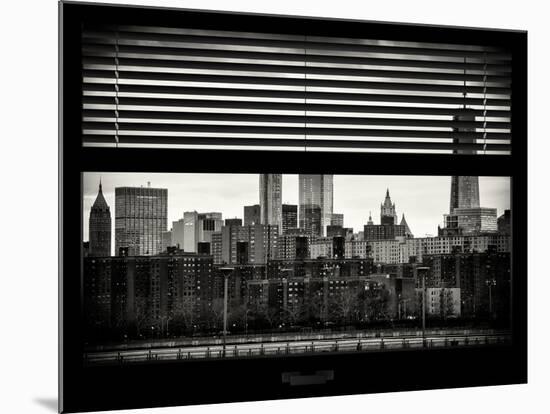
(166,87)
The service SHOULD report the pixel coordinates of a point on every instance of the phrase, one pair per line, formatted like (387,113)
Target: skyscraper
(315,197)
(336,227)
(504,223)
(208,224)
(234,222)
(262,242)
(251,215)
(100,227)
(464,189)
(337,219)
(287,246)
(290,217)
(190,230)
(387,211)
(271,186)
(166,240)
(465,214)
(178,233)
(140,219)
(198,227)
(476,220)
(388,229)
(464,192)
(312,221)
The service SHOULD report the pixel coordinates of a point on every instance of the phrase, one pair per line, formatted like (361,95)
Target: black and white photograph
(274,205)
(188,266)
(278,207)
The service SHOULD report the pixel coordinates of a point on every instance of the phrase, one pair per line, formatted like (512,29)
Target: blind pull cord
(484,102)
(305,93)
(116,89)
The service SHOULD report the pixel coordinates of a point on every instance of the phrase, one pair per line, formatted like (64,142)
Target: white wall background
(28,204)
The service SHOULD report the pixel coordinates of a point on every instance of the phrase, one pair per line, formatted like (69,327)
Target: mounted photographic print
(259,207)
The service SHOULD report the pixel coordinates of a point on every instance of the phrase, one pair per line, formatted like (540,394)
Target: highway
(244,350)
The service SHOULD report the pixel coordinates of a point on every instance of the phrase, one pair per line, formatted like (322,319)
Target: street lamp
(226,272)
(423,270)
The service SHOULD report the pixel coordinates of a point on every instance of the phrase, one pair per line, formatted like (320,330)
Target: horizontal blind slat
(206,141)
(232,129)
(107,64)
(297,95)
(126,76)
(299,119)
(183,105)
(295,59)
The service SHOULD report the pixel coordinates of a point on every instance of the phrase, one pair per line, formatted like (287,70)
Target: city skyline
(354,196)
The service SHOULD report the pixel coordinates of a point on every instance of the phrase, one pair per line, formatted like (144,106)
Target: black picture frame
(215,381)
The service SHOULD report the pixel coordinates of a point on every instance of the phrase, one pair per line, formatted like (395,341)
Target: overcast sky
(424,200)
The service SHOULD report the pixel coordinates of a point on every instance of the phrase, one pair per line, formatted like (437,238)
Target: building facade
(313,221)
(441,302)
(208,224)
(376,232)
(293,244)
(385,251)
(321,247)
(100,227)
(337,219)
(233,222)
(166,241)
(290,217)
(195,228)
(140,219)
(504,223)
(252,215)
(473,220)
(315,196)
(146,295)
(271,188)
(262,243)
(388,229)
(178,233)
(465,214)
(388,215)
(483,279)
(464,192)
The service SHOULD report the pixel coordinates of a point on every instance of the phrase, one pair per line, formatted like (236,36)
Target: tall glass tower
(315,197)
(464,189)
(271,188)
(464,192)
(100,226)
(140,219)
(290,217)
